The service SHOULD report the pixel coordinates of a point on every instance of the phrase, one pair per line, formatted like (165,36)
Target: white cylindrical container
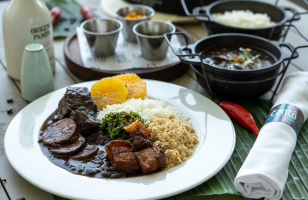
(25,22)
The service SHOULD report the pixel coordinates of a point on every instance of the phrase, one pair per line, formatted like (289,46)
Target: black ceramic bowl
(228,84)
(277,14)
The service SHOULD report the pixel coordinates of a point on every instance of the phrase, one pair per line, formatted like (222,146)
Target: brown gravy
(99,166)
(221,56)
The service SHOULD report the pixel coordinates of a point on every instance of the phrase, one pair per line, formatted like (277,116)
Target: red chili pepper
(86,12)
(240,115)
(55,13)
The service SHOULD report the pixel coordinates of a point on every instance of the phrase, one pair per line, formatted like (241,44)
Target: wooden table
(9,88)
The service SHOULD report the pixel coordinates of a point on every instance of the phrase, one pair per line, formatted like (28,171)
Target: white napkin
(265,170)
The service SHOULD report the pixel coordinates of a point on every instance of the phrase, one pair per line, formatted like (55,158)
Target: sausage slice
(60,132)
(86,153)
(70,148)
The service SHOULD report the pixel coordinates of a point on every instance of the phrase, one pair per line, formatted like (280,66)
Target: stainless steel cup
(102,35)
(129,23)
(150,37)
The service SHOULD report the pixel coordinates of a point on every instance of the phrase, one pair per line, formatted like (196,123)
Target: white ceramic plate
(214,128)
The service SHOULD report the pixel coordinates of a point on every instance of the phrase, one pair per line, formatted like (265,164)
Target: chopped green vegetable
(225,57)
(113,124)
(259,64)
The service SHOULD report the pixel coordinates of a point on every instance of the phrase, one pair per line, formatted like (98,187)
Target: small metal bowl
(154,46)
(102,35)
(129,23)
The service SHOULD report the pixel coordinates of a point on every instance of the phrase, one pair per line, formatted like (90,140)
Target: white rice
(147,109)
(244,19)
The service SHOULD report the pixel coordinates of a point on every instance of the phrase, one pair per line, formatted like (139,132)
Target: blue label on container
(288,114)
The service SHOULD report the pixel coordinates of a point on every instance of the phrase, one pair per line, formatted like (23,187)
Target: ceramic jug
(36,73)
(25,22)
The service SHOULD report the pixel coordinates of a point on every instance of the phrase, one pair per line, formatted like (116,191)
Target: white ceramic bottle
(25,22)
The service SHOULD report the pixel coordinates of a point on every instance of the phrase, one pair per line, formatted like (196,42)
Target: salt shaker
(36,73)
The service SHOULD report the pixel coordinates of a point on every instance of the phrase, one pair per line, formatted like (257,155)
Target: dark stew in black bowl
(235,57)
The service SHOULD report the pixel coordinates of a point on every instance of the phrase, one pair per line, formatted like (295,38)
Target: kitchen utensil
(128,24)
(102,35)
(150,37)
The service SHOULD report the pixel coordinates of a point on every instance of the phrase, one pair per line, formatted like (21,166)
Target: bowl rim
(215,3)
(152,21)
(101,19)
(135,6)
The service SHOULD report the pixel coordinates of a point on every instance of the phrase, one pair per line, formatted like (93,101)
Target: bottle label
(288,114)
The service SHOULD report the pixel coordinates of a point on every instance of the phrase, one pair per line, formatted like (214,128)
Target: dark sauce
(98,166)
(220,57)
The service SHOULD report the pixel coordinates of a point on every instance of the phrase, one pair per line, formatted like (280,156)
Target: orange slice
(108,91)
(135,86)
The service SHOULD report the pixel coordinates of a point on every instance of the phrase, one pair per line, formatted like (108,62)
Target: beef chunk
(74,98)
(61,132)
(147,160)
(125,162)
(116,147)
(140,142)
(87,152)
(86,122)
(140,134)
(70,148)
(160,157)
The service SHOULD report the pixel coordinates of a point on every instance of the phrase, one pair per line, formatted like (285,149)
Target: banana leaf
(70,17)
(222,182)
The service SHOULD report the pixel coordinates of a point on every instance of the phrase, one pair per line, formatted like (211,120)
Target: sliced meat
(116,147)
(86,122)
(74,98)
(60,132)
(87,152)
(147,160)
(140,134)
(125,162)
(160,157)
(70,148)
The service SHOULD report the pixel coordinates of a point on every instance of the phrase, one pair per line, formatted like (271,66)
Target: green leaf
(70,10)
(259,64)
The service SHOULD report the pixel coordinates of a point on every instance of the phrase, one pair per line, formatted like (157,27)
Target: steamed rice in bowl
(244,19)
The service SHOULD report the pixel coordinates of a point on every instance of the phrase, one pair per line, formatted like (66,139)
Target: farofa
(175,137)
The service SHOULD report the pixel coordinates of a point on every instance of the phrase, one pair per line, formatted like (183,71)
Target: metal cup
(129,23)
(150,37)
(102,35)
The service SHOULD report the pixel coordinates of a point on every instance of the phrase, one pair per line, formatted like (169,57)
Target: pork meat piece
(140,134)
(125,162)
(160,157)
(86,123)
(116,147)
(74,98)
(61,132)
(70,148)
(147,160)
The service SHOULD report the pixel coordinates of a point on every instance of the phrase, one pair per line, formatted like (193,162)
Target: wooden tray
(164,73)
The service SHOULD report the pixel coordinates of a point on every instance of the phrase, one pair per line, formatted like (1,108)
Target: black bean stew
(236,57)
(98,166)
